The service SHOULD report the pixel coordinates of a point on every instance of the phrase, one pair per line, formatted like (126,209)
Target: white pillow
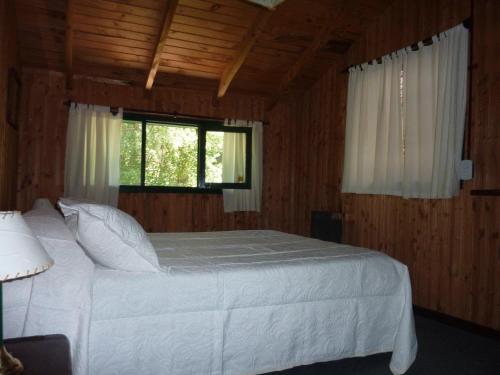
(48,223)
(42,203)
(112,238)
(72,219)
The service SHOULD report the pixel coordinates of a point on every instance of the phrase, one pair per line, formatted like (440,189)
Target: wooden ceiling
(207,44)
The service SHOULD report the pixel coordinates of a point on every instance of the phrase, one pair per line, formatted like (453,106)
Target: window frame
(203,126)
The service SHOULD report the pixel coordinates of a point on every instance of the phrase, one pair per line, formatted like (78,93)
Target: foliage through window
(160,153)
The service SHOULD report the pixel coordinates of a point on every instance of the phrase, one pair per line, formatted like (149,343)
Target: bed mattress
(247,302)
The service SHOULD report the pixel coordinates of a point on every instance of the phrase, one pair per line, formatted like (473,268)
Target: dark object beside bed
(42,355)
(326,226)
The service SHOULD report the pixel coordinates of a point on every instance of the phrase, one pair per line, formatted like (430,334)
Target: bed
(236,303)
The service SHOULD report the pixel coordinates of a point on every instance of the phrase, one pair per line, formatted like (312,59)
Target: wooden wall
(311,149)
(8,135)
(42,146)
(287,198)
(452,247)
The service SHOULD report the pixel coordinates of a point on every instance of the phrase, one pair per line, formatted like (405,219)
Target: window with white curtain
(162,153)
(248,199)
(405,120)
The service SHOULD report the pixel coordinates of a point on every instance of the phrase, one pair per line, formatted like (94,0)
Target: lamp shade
(21,253)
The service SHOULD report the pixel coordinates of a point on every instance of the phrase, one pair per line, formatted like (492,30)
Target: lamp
(21,255)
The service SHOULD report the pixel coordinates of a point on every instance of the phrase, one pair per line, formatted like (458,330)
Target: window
(405,120)
(166,154)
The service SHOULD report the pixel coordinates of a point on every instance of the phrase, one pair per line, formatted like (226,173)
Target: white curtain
(233,167)
(373,162)
(234,155)
(92,166)
(405,121)
(435,96)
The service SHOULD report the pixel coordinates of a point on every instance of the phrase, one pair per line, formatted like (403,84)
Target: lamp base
(8,364)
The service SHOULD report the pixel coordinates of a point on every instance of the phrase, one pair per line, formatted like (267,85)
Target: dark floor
(442,350)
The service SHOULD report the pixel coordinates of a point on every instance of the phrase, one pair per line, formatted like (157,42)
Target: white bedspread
(247,302)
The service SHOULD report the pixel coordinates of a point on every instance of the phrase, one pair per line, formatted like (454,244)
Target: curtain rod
(467,23)
(114,110)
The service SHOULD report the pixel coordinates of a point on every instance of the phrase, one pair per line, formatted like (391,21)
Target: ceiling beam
(319,40)
(69,44)
(167,22)
(245,47)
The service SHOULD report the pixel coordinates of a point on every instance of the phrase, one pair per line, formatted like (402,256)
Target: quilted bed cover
(250,302)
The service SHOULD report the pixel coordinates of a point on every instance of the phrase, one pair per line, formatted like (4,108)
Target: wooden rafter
(246,46)
(308,54)
(167,22)
(69,45)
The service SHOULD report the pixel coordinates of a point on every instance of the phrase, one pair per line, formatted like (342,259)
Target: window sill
(168,190)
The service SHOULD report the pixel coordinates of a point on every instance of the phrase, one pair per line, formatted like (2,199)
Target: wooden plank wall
(287,199)
(8,135)
(452,247)
(42,146)
(310,149)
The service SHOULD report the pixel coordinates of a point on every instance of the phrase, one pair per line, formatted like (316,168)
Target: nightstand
(42,355)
